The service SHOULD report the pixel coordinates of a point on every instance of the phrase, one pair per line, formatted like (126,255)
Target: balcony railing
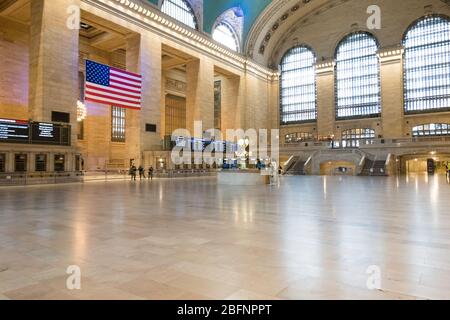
(368,143)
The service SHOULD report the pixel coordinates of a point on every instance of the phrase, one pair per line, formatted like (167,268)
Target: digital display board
(49,133)
(20,131)
(14,131)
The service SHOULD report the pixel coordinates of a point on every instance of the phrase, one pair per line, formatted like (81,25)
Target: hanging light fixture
(81,111)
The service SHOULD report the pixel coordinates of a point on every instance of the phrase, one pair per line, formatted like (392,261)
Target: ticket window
(60,161)
(41,163)
(2,162)
(20,163)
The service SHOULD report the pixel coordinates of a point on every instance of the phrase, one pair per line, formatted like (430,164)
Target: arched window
(354,138)
(180,10)
(358,93)
(298,86)
(224,34)
(427,65)
(431,129)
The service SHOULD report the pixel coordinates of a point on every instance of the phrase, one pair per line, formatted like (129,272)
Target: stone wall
(13,70)
(326,28)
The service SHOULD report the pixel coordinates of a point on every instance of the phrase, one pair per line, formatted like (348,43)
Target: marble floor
(309,238)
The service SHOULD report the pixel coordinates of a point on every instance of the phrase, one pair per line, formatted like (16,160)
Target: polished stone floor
(309,238)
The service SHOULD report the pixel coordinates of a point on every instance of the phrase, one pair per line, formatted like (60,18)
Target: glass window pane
(431,129)
(353,138)
(427,65)
(357,77)
(298,86)
(224,34)
(181,11)
(118,116)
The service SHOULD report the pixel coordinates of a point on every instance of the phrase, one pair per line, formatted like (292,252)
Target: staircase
(368,165)
(296,167)
(291,163)
(379,168)
(374,168)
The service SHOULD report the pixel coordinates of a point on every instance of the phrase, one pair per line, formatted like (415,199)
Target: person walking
(133,173)
(150,173)
(447,171)
(141,172)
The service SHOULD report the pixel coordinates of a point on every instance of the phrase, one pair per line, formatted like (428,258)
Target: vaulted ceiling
(212,9)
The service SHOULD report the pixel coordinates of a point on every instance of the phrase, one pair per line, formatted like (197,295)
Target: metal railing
(30,178)
(364,143)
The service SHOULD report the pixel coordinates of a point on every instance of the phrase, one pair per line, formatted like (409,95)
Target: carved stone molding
(151,18)
(175,85)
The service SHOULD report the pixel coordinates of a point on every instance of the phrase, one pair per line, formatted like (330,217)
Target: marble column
(200,93)
(144,57)
(326,114)
(391,72)
(231,102)
(54,50)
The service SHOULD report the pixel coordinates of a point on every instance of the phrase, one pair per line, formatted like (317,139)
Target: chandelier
(81,111)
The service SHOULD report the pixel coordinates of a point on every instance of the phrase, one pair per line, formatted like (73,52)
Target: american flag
(112,86)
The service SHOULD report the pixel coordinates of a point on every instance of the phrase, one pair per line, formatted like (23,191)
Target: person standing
(141,172)
(259,164)
(448,170)
(133,173)
(150,173)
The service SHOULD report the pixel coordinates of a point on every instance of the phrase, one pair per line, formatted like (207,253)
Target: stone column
(391,71)
(144,57)
(231,96)
(200,94)
(54,51)
(10,162)
(326,106)
(163,108)
(274,102)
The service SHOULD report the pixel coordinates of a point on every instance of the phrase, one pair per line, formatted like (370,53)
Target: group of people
(141,170)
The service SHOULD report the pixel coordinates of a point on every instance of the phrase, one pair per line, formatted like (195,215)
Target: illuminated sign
(49,133)
(20,131)
(14,131)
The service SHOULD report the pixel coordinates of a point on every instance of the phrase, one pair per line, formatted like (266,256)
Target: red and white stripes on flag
(112,86)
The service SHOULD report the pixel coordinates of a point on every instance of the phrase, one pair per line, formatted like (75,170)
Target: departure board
(14,131)
(21,131)
(49,133)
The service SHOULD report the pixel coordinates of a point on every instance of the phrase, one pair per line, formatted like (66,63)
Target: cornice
(149,17)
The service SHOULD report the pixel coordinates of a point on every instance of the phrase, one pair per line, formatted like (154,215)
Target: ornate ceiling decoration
(280,21)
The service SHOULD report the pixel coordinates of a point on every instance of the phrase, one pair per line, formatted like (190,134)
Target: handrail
(308,161)
(363,160)
(373,142)
(388,160)
(287,162)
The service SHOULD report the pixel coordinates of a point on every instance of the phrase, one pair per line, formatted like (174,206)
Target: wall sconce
(81,111)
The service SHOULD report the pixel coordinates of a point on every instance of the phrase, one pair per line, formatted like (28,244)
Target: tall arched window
(298,86)
(427,65)
(224,34)
(180,10)
(357,77)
